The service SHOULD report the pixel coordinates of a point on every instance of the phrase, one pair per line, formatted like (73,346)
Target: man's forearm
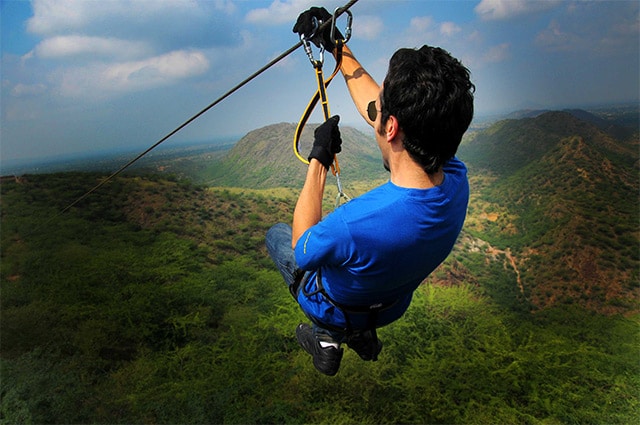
(308,209)
(362,87)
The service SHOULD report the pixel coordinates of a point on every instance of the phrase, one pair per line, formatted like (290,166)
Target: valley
(154,300)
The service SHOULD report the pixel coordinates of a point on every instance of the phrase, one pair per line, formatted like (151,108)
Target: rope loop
(321,94)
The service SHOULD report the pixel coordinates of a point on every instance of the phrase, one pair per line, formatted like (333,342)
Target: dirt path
(477,245)
(512,262)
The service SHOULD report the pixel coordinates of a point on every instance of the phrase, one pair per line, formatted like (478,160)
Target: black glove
(305,26)
(327,142)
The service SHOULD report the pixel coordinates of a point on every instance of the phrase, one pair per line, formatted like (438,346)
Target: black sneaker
(366,344)
(326,360)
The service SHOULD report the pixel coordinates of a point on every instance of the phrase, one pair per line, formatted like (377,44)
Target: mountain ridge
(554,195)
(567,208)
(264,158)
(510,144)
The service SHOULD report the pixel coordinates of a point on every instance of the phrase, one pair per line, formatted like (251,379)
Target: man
(356,269)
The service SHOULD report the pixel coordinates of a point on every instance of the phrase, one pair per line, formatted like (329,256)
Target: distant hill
(264,158)
(621,122)
(508,145)
(562,196)
(581,114)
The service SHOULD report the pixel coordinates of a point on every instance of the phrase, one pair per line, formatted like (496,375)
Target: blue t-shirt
(379,247)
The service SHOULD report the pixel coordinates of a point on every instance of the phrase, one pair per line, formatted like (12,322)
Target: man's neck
(407,173)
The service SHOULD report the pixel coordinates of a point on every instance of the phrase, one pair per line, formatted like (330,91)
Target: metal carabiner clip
(347,30)
(307,44)
(307,49)
(341,195)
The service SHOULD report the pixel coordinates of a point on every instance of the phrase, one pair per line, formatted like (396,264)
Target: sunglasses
(372,112)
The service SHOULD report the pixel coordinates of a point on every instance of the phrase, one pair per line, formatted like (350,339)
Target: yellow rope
(320,94)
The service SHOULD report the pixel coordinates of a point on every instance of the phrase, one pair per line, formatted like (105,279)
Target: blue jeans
(278,241)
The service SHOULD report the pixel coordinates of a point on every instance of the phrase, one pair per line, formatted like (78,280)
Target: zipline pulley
(316,25)
(321,93)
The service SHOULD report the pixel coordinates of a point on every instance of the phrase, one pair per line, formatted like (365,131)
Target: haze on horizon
(81,77)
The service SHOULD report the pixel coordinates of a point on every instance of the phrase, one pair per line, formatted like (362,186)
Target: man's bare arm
(361,85)
(308,209)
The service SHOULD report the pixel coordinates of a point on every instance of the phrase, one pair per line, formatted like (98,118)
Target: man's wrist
(321,154)
(315,166)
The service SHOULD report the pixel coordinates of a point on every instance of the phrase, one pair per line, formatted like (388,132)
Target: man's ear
(392,128)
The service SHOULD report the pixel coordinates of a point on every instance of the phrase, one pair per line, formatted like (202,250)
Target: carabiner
(307,49)
(307,45)
(341,195)
(347,30)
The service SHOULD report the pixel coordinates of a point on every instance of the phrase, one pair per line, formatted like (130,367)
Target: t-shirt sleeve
(326,243)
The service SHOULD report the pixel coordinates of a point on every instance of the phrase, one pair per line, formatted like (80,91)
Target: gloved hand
(304,26)
(327,142)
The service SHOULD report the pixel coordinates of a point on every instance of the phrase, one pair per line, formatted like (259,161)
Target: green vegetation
(264,158)
(155,302)
(562,195)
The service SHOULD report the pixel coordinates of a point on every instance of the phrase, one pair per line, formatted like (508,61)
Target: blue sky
(80,76)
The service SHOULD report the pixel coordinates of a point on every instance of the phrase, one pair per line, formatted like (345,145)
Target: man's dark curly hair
(431,95)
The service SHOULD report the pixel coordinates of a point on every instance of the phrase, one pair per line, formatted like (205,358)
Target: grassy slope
(565,205)
(155,302)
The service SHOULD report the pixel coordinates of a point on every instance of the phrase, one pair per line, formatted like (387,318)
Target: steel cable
(208,107)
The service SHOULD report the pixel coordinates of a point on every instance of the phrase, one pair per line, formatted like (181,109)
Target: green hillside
(264,158)
(509,145)
(562,197)
(155,302)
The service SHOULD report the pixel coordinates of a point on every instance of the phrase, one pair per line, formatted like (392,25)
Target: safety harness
(372,310)
(321,93)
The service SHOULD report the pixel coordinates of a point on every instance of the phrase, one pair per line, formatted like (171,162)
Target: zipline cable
(211,105)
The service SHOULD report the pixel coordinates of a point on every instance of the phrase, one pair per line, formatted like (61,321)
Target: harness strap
(372,310)
(320,92)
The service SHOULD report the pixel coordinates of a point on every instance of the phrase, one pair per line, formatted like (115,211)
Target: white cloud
(166,24)
(52,17)
(49,16)
(174,65)
(425,27)
(279,12)
(474,37)
(449,29)
(106,48)
(421,24)
(497,53)
(65,46)
(226,6)
(368,27)
(595,28)
(20,89)
(420,28)
(554,38)
(105,80)
(490,10)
